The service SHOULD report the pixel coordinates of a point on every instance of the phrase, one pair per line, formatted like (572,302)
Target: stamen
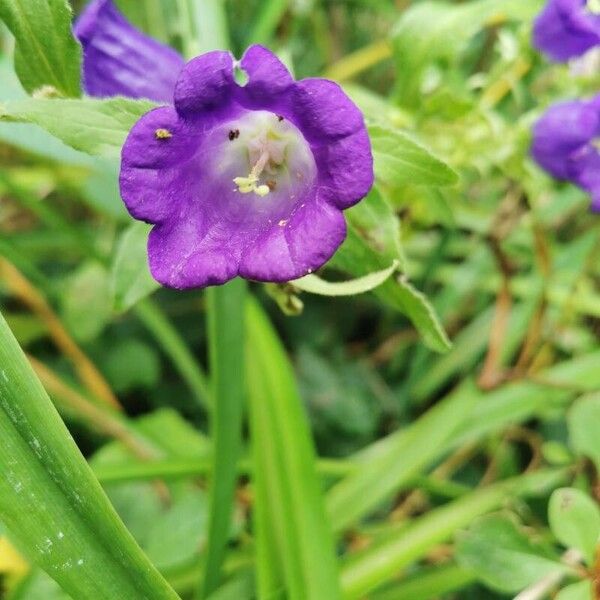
(249,184)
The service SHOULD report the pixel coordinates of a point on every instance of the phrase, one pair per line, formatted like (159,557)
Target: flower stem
(226,358)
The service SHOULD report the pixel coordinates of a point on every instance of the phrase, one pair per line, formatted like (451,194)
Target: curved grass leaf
(294,544)
(90,125)
(50,501)
(46,53)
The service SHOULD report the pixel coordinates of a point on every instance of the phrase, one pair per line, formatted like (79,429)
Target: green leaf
(46,53)
(388,464)
(371,245)
(577,591)
(50,501)
(367,283)
(434,31)
(294,543)
(398,160)
(90,125)
(575,521)
(584,421)
(502,556)
(225,319)
(86,304)
(383,561)
(131,280)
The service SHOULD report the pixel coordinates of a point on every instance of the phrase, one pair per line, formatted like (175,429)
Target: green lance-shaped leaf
(47,57)
(398,160)
(97,127)
(581,590)
(502,555)
(294,544)
(575,521)
(50,501)
(584,423)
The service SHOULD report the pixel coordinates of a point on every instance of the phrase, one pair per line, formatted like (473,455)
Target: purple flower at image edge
(565,144)
(119,60)
(566,29)
(238,179)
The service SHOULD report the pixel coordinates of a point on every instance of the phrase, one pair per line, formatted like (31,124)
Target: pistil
(249,184)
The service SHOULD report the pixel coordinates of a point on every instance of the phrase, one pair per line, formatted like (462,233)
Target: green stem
(162,329)
(225,306)
(211,25)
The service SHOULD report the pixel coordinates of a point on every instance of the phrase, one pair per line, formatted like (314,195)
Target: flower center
(266,153)
(593,6)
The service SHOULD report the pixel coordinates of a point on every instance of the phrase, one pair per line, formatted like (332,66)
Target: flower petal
(268,77)
(153,180)
(119,60)
(322,110)
(564,30)
(346,169)
(563,129)
(206,83)
(181,257)
(294,248)
(584,169)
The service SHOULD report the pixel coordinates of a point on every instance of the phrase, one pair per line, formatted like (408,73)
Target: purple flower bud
(246,180)
(565,144)
(119,60)
(567,28)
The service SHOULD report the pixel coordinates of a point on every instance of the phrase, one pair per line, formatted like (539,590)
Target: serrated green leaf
(130,277)
(502,556)
(371,245)
(46,54)
(367,283)
(575,521)
(399,160)
(97,127)
(51,503)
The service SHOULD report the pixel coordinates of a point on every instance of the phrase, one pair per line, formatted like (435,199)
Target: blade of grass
(225,311)
(388,465)
(382,562)
(266,21)
(294,543)
(50,501)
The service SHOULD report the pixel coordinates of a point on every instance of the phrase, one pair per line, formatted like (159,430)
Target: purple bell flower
(565,144)
(245,179)
(119,60)
(567,28)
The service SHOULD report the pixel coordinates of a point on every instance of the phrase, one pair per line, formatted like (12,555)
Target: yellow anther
(163,134)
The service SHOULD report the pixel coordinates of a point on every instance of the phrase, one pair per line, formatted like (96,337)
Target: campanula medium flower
(567,28)
(565,144)
(119,60)
(238,179)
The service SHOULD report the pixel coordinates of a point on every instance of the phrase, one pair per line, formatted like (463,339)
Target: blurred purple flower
(567,28)
(249,179)
(565,144)
(119,60)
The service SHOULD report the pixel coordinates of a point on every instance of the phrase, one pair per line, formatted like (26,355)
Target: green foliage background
(421,421)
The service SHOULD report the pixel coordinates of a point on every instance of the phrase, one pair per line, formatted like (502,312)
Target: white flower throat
(273,149)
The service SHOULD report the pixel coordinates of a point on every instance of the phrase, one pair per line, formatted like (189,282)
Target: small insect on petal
(163,134)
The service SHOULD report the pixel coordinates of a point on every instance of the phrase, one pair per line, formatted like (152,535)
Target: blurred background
(507,258)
